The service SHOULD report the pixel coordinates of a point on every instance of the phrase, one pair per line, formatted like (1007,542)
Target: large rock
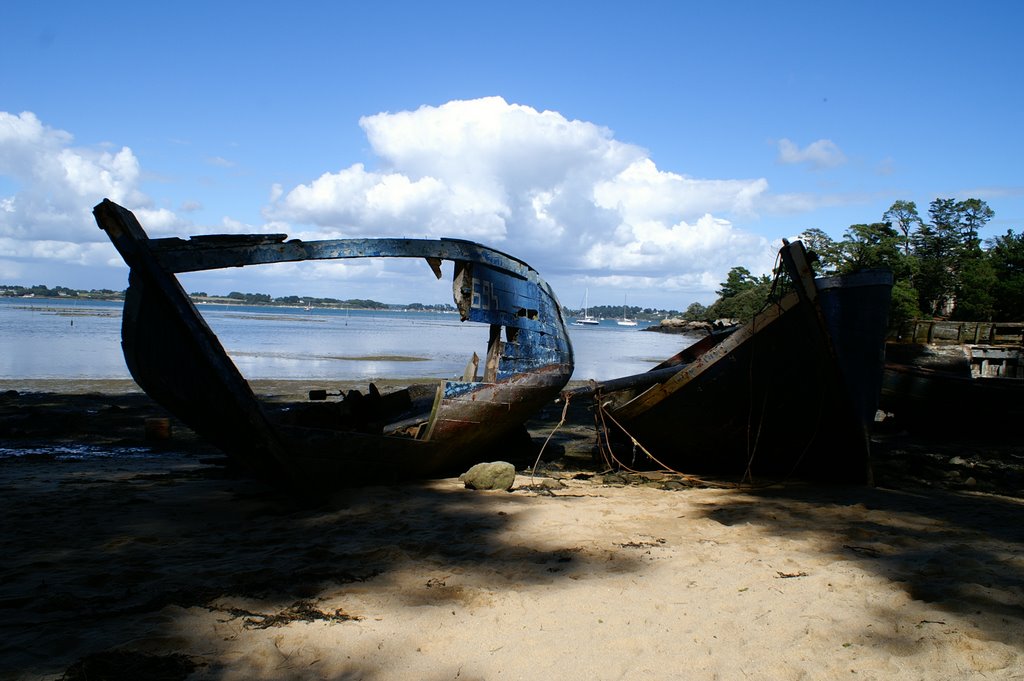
(495,475)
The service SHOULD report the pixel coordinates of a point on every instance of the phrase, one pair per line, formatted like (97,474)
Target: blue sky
(636,149)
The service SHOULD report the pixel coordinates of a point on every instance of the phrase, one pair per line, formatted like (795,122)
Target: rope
(536,463)
(637,444)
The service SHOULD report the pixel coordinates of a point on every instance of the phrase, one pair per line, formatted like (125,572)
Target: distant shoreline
(300,302)
(226,302)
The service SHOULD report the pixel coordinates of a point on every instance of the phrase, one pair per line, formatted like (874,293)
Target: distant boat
(625,321)
(586,319)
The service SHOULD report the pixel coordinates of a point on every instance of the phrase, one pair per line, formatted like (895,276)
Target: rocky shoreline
(682,326)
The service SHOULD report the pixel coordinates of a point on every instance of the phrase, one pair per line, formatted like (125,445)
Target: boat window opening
(529,314)
(485,296)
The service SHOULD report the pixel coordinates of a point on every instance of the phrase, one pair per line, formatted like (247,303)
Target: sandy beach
(162,563)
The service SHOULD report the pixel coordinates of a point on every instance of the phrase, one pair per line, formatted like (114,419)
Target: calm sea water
(44,338)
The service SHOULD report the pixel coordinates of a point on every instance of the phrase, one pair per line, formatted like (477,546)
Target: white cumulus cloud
(56,184)
(46,221)
(563,194)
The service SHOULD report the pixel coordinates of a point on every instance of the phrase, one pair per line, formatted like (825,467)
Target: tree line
(238,297)
(941,266)
(43,291)
(313,301)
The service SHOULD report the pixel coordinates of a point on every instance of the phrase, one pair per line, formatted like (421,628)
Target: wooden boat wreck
(177,359)
(793,392)
(956,378)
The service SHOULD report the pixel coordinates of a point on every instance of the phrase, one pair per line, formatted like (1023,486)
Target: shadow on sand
(962,553)
(98,549)
(96,546)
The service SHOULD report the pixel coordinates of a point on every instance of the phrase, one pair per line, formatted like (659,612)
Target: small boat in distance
(625,321)
(586,319)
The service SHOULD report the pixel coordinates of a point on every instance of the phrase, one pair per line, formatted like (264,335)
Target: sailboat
(586,319)
(625,321)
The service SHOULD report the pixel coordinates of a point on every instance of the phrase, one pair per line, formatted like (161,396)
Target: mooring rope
(693,479)
(565,410)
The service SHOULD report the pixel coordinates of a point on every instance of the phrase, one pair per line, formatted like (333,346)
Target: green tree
(946,251)
(742,295)
(826,251)
(736,281)
(939,267)
(974,300)
(1006,256)
(902,216)
(972,214)
(869,246)
(903,303)
(695,312)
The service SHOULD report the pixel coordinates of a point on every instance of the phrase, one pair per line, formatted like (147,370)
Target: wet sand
(160,562)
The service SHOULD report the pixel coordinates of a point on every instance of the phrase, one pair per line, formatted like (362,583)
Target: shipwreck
(420,431)
(792,392)
(956,378)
